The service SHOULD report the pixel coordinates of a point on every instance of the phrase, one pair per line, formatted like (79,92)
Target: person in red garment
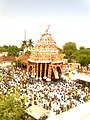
(23,81)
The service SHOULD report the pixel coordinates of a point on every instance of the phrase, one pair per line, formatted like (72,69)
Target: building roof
(7,58)
(45,50)
(23,58)
(36,111)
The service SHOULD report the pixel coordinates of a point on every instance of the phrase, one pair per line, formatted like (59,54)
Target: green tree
(27,52)
(81,48)
(82,56)
(60,50)
(30,44)
(13,50)
(68,49)
(24,44)
(10,108)
(21,64)
(3,48)
(82,59)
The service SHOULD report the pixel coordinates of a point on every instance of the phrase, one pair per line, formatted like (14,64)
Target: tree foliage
(12,50)
(30,43)
(10,108)
(72,53)
(81,48)
(24,44)
(60,50)
(27,44)
(82,56)
(27,52)
(21,64)
(69,48)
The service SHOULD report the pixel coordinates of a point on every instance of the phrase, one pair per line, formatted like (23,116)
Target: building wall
(6,63)
(74,65)
(3,53)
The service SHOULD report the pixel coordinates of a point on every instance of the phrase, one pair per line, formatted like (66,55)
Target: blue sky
(69,20)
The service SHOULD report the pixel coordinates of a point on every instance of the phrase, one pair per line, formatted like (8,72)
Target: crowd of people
(57,96)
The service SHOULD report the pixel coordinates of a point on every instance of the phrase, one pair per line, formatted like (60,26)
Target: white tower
(24,34)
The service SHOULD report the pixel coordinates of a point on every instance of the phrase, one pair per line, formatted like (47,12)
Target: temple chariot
(45,59)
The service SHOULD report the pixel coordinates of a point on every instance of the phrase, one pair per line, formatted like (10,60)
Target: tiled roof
(23,58)
(7,58)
